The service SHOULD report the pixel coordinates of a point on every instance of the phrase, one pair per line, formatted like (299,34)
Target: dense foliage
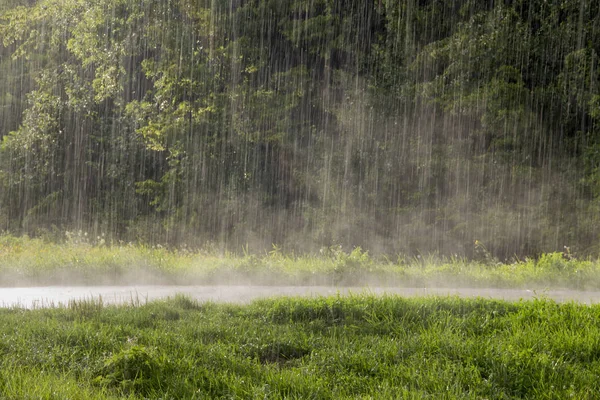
(400,126)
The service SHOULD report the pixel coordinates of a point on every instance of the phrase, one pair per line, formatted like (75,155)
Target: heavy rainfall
(365,135)
(395,126)
(294,199)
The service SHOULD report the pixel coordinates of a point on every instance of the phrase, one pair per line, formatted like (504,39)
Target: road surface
(35,297)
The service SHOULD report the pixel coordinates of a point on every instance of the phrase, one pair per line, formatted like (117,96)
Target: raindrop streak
(403,127)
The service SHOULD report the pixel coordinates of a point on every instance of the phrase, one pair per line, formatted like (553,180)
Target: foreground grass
(26,261)
(320,348)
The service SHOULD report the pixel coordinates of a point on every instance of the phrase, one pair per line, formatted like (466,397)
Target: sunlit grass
(326,348)
(34,261)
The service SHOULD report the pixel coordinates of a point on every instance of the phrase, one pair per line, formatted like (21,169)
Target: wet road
(34,297)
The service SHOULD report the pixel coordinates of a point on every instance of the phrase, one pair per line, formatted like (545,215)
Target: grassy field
(358,347)
(81,260)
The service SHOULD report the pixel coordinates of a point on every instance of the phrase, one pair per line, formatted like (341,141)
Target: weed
(135,369)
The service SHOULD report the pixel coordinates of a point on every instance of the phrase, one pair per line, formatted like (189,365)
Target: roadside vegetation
(82,260)
(320,348)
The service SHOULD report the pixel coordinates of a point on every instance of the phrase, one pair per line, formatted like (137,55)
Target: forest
(400,127)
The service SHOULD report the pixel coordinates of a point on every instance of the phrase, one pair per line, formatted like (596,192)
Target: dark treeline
(399,126)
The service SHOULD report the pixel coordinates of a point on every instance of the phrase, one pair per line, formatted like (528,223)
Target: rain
(448,127)
(299,199)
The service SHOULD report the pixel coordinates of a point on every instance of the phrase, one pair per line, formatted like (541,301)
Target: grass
(359,347)
(79,260)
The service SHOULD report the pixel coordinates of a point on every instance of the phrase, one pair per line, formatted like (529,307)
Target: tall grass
(80,260)
(321,348)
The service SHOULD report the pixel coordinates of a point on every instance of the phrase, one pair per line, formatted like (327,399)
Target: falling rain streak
(399,126)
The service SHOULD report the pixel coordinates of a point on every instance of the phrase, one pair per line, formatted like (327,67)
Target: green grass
(356,347)
(79,260)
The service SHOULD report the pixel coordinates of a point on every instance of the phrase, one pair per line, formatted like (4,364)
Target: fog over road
(35,297)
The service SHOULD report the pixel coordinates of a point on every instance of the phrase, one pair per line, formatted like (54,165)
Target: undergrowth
(78,260)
